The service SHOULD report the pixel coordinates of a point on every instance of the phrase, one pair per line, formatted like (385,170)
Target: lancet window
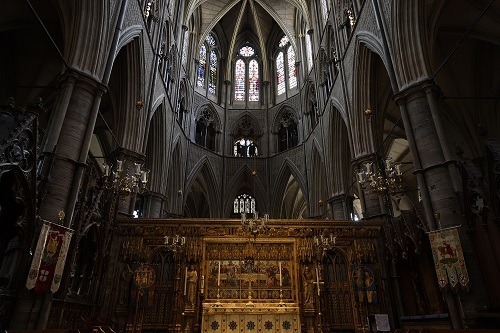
(246,75)
(286,73)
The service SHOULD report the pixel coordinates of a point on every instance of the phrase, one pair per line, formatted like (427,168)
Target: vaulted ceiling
(254,21)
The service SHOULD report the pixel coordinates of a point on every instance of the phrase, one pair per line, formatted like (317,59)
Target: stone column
(156,202)
(67,143)
(338,206)
(430,164)
(436,182)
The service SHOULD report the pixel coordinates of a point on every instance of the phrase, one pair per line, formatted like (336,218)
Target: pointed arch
(127,82)
(318,191)
(290,199)
(156,156)
(244,181)
(202,191)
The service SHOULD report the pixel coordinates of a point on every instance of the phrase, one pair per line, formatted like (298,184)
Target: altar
(261,317)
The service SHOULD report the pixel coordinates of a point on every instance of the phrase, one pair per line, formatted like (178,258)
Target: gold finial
(60,216)
(368,113)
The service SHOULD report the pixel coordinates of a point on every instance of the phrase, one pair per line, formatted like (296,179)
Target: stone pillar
(436,182)
(156,202)
(67,143)
(338,206)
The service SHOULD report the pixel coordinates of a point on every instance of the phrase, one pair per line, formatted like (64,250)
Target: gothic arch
(245,181)
(156,155)
(411,62)
(212,112)
(202,192)
(289,192)
(340,152)
(87,51)
(361,128)
(245,125)
(318,191)
(175,180)
(128,34)
(127,82)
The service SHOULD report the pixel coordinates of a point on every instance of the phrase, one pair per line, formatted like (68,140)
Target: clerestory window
(246,75)
(208,65)
(286,72)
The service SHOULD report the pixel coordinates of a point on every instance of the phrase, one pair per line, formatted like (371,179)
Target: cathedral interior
(267,166)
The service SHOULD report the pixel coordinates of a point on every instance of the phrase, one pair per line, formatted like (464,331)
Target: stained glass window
(253,81)
(247,51)
(202,66)
(239,86)
(280,73)
(245,147)
(309,51)
(212,78)
(244,203)
(210,40)
(184,47)
(292,70)
(283,41)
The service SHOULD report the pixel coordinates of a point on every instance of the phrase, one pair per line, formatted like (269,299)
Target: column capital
(415,90)
(73,76)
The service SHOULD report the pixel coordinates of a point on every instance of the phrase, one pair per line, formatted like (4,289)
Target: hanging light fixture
(125,184)
(381,183)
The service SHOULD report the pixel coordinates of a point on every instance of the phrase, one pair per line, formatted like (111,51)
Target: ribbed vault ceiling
(240,18)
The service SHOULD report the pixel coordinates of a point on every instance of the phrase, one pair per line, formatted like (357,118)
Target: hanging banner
(449,258)
(49,258)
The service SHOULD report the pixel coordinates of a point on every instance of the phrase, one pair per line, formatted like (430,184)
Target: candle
(218,276)
(137,169)
(317,278)
(106,170)
(202,283)
(185,281)
(119,167)
(281,280)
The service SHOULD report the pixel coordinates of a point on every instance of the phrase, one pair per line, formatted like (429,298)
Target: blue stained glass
(280,73)
(253,81)
(239,84)
(202,66)
(292,71)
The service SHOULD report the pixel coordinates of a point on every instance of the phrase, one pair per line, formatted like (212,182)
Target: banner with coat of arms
(49,258)
(449,258)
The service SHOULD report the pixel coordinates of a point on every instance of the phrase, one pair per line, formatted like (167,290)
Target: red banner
(50,253)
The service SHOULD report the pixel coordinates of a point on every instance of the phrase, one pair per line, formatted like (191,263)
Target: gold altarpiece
(223,280)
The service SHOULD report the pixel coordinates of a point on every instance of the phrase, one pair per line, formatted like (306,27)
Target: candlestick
(185,281)
(281,279)
(317,278)
(218,276)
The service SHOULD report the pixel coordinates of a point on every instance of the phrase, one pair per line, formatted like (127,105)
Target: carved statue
(308,287)
(192,280)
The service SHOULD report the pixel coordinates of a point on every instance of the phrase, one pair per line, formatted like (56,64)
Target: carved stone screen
(243,270)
